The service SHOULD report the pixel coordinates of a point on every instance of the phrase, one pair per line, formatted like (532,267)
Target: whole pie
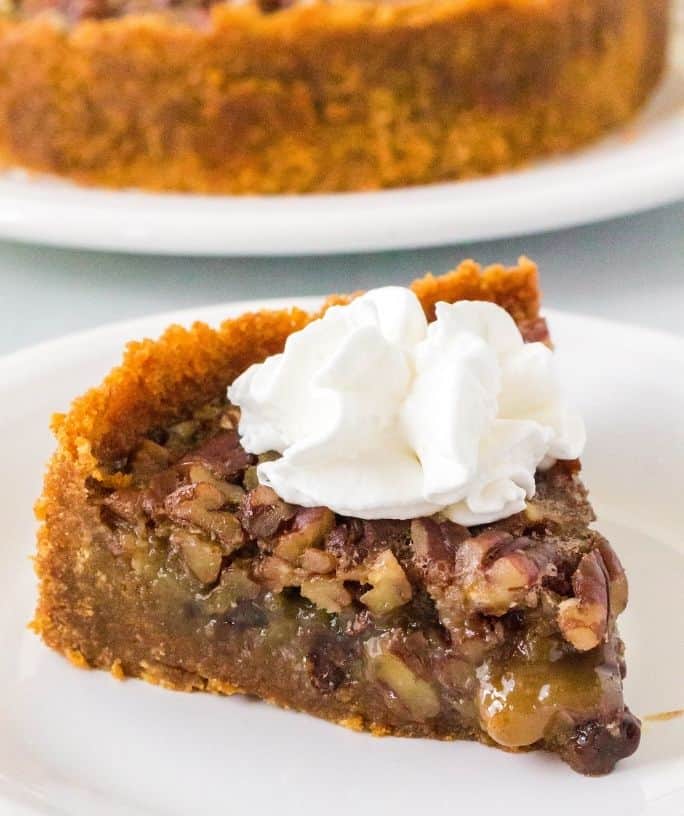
(273,96)
(164,555)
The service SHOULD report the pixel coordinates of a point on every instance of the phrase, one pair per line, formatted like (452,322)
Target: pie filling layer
(503,632)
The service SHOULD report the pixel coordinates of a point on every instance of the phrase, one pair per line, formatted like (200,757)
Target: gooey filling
(421,626)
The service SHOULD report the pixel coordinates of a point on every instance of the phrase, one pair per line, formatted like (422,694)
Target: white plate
(79,743)
(633,170)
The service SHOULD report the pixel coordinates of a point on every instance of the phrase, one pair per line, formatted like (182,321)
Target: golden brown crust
(324,96)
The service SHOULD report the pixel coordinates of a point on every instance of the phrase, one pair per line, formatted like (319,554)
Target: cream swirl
(378,414)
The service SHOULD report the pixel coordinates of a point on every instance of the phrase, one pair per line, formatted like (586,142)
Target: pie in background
(283,96)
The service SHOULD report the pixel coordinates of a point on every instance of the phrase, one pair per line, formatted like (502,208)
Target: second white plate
(635,169)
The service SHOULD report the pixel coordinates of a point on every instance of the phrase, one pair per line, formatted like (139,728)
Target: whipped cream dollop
(378,414)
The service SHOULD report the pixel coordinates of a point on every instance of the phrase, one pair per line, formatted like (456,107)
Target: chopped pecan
(149,458)
(224,527)
(223,455)
(185,429)
(391,587)
(434,547)
(534,512)
(180,503)
(276,574)
(133,505)
(159,487)
(560,502)
(311,525)
(200,504)
(360,623)
(230,418)
(346,543)
(483,547)
(125,504)
(262,512)
(326,593)
(500,571)
(318,561)
(507,578)
(202,557)
(232,493)
(416,694)
(617,580)
(583,620)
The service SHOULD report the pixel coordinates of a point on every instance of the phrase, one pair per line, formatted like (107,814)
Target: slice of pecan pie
(162,556)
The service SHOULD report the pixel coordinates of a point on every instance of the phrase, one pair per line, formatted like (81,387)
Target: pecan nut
(319,562)
(583,620)
(417,695)
(501,572)
(326,593)
(311,525)
(434,548)
(202,557)
(391,587)
(199,505)
(618,589)
(262,512)
(222,454)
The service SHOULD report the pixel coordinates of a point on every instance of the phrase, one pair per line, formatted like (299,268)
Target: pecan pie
(162,556)
(272,96)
